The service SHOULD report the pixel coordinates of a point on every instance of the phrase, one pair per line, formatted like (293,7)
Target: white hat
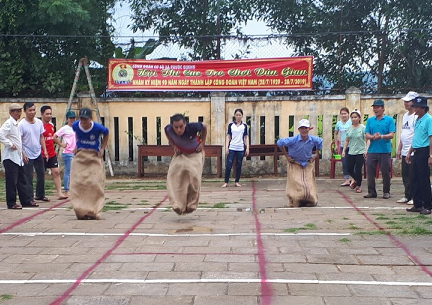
(304,123)
(410,96)
(356,111)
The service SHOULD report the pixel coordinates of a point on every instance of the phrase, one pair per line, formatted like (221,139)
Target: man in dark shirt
(185,170)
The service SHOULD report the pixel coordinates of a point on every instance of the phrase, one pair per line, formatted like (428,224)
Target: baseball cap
(420,101)
(85,113)
(378,103)
(304,123)
(410,96)
(15,106)
(70,114)
(356,111)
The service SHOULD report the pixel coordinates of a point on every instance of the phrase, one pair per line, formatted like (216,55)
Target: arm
(246,141)
(58,142)
(345,147)
(430,151)
(399,150)
(42,142)
(171,142)
(4,131)
(227,142)
(203,138)
(388,136)
(103,145)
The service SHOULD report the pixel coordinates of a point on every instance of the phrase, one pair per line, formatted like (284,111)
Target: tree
(42,41)
(193,24)
(380,43)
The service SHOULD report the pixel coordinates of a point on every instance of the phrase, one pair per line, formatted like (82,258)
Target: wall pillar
(217,131)
(352,99)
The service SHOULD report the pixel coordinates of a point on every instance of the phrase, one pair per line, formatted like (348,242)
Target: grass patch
(5,297)
(345,240)
(220,205)
(415,231)
(353,226)
(402,224)
(345,218)
(113,206)
(329,220)
(374,232)
(308,226)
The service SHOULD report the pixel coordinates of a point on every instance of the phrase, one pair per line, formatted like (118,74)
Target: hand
(177,151)
(247,152)
(25,158)
(377,136)
(200,147)
(343,154)
(408,159)
(100,153)
(227,151)
(430,161)
(64,145)
(399,155)
(365,155)
(14,147)
(47,157)
(290,159)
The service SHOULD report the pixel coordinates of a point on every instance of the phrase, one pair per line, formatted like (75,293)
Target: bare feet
(225,185)
(237,184)
(62,196)
(358,189)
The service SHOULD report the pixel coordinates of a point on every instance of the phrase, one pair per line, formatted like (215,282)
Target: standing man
(87,182)
(50,160)
(422,148)
(10,137)
(379,131)
(406,138)
(301,188)
(185,169)
(33,140)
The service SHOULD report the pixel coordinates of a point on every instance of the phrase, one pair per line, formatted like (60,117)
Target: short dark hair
(44,108)
(28,105)
(238,110)
(178,117)
(344,109)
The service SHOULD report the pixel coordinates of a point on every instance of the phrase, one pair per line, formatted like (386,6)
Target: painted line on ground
(86,273)
(393,238)
(185,253)
(266,290)
(193,281)
(31,234)
(21,221)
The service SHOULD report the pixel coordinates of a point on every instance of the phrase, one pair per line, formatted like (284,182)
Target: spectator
(380,131)
(341,128)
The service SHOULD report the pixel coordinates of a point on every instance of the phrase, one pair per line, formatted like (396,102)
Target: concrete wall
(217,111)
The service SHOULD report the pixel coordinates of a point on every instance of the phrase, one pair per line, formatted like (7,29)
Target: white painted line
(192,281)
(169,235)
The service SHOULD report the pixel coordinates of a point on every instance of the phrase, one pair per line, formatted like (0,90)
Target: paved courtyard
(242,246)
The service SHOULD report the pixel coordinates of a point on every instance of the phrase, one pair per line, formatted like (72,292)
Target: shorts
(51,163)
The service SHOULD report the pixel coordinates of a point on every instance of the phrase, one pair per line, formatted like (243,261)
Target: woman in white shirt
(237,146)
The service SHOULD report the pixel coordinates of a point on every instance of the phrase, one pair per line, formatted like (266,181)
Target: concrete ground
(242,246)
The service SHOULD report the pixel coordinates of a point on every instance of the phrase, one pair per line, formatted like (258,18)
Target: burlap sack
(184,182)
(301,188)
(87,183)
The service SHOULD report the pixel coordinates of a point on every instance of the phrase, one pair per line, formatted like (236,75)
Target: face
(85,123)
(238,116)
(419,110)
(304,131)
(179,127)
(30,112)
(408,105)
(16,114)
(378,110)
(344,115)
(47,116)
(71,120)
(355,118)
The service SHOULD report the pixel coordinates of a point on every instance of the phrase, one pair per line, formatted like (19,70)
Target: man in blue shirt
(422,148)
(380,131)
(301,184)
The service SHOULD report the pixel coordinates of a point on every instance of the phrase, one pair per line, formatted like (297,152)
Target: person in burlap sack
(87,181)
(301,188)
(185,169)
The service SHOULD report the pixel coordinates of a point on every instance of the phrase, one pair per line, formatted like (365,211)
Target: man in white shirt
(406,138)
(10,137)
(32,140)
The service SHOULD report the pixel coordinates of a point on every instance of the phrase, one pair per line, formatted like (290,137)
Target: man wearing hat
(380,131)
(68,144)
(12,157)
(422,148)
(87,182)
(301,188)
(405,141)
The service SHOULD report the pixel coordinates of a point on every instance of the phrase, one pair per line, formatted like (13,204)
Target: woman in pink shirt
(68,143)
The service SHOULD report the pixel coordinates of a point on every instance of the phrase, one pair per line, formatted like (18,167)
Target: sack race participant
(87,181)
(185,170)
(301,188)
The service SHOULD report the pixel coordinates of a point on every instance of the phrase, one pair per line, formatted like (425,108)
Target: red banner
(290,73)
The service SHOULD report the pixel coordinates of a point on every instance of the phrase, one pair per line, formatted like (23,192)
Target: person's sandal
(46,199)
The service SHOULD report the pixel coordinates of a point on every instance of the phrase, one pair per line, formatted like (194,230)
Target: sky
(258,49)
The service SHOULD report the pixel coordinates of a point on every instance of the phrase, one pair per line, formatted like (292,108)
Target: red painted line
(266,290)
(20,222)
(393,238)
(105,256)
(183,253)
